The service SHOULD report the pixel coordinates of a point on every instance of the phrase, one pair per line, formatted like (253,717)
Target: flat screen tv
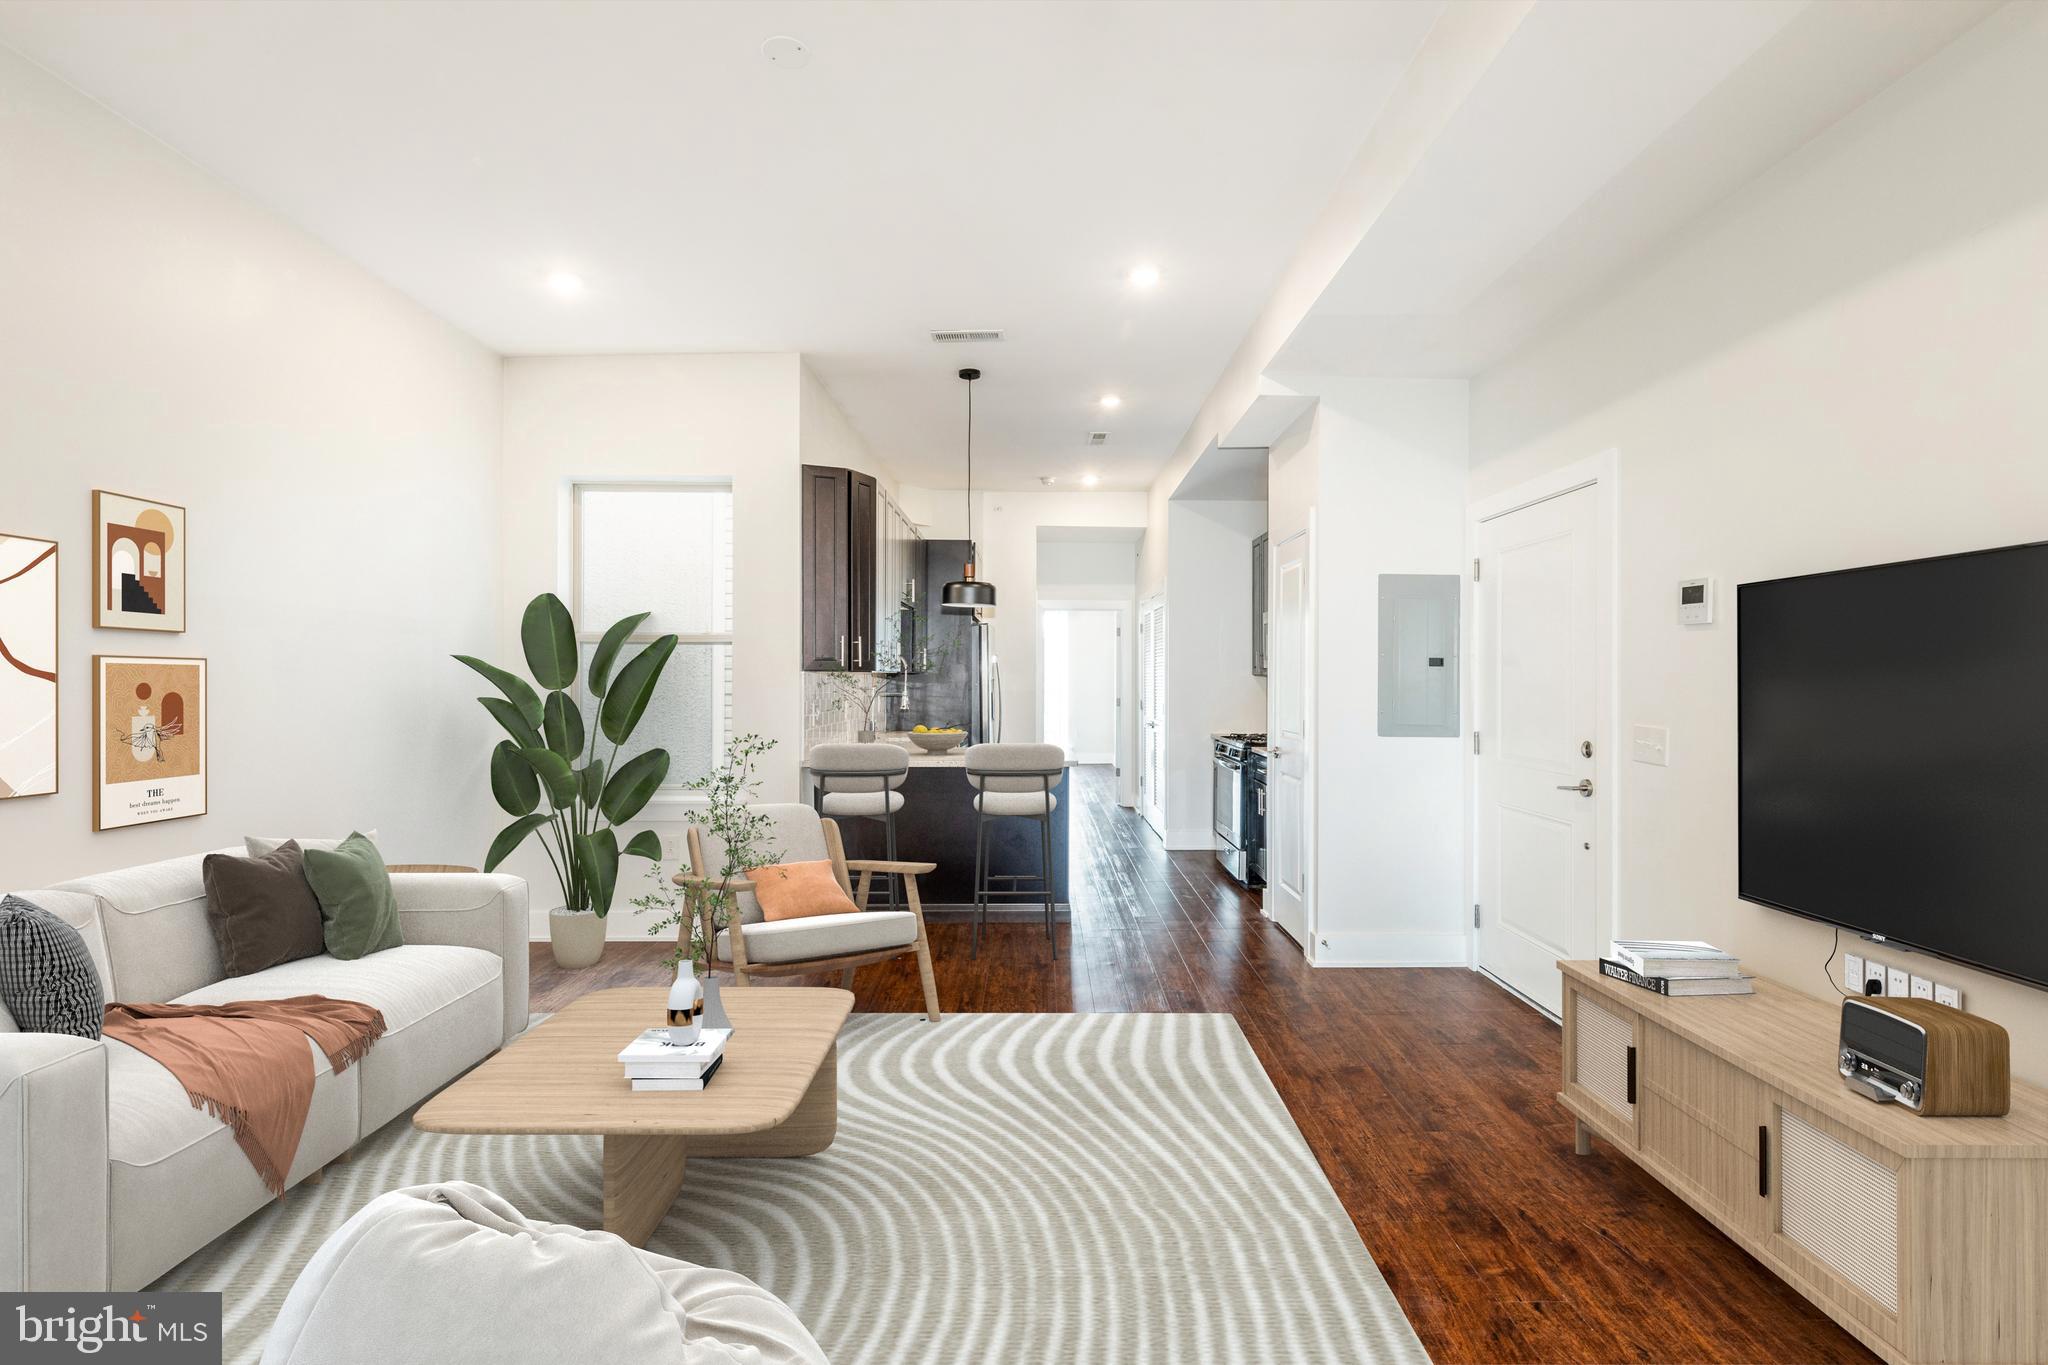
(1893,726)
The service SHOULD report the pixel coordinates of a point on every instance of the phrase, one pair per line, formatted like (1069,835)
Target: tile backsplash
(829,718)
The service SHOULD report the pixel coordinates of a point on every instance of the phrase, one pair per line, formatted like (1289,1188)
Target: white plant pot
(577,937)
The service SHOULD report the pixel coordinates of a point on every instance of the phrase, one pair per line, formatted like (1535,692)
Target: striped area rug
(1116,1188)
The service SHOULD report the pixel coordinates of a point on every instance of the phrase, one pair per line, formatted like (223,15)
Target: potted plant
(550,756)
(730,818)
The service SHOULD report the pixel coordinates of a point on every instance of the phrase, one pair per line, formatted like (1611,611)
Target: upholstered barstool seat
(859,782)
(1014,781)
(1016,803)
(861,803)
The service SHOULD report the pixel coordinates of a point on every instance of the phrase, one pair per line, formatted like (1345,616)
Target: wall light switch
(1923,989)
(1897,983)
(1852,974)
(1948,995)
(1651,744)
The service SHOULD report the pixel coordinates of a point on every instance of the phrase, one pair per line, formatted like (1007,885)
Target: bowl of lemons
(937,741)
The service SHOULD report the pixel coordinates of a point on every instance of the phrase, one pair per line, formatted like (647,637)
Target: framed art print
(138,563)
(28,666)
(149,740)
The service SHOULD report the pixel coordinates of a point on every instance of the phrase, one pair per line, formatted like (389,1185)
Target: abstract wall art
(138,563)
(28,666)
(149,740)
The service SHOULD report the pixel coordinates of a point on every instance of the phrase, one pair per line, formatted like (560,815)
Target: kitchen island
(937,825)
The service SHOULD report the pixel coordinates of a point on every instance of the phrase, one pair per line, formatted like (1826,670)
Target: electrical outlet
(1896,983)
(1873,976)
(1948,995)
(1852,973)
(1923,989)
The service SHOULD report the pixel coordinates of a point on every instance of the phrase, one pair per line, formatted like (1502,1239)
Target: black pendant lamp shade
(967,593)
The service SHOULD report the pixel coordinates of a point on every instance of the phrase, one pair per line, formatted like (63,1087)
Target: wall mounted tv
(1893,726)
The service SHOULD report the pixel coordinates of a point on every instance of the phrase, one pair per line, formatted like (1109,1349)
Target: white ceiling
(934,165)
(1601,129)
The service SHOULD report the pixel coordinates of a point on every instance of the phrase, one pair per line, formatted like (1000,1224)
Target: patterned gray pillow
(47,979)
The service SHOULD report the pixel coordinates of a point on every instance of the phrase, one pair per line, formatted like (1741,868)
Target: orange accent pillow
(799,890)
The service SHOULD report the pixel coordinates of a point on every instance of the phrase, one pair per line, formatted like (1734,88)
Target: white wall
(1385,462)
(335,447)
(1210,687)
(1843,365)
(657,417)
(825,437)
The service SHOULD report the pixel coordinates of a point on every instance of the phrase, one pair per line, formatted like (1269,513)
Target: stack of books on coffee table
(652,1062)
(1675,967)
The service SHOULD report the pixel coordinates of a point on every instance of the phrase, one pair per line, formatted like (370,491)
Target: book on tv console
(1677,986)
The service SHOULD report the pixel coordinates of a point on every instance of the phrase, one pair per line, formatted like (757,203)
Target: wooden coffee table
(776,1094)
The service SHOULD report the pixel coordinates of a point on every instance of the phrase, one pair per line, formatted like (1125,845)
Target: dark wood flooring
(1427,1095)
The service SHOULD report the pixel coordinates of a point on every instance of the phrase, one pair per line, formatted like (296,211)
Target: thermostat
(1696,602)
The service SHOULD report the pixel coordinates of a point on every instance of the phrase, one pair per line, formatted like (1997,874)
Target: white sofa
(109,1176)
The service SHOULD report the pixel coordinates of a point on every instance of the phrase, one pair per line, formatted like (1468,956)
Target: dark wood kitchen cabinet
(1259,607)
(860,577)
(838,609)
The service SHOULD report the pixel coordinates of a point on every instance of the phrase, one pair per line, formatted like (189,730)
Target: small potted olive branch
(739,830)
(866,691)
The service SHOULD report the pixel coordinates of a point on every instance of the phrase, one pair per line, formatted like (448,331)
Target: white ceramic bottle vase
(685,1006)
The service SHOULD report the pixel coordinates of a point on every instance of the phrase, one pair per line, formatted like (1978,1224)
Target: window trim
(673,793)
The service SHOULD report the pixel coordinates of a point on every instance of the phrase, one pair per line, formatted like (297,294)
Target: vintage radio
(1933,1059)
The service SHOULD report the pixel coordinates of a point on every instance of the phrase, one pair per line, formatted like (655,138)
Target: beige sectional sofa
(109,1176)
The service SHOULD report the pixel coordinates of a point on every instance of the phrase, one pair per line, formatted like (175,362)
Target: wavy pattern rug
(1117,1188)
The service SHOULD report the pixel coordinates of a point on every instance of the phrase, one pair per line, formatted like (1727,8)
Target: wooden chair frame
(697,889)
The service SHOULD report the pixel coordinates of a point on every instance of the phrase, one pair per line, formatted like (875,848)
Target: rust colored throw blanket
(246,1062)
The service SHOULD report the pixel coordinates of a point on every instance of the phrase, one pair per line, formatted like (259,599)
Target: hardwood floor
(1427,1095)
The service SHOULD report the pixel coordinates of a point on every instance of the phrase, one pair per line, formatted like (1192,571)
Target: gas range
(1240,804)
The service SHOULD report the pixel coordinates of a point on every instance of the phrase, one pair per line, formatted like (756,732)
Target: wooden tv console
(1926,1238)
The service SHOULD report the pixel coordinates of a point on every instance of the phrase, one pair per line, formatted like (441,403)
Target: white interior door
(1539,771)
(1152,714)
(1287,766)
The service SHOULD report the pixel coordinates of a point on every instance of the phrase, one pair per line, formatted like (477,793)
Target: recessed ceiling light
(566,283)
(1047,480)
(1144,276)
(1110,400)
(1089,481)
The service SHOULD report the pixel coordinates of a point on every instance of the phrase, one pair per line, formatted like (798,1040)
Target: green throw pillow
(358,913)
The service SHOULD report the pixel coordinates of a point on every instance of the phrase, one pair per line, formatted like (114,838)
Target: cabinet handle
(856,651)
(1763,1161)
(1631,1075)
(842,651)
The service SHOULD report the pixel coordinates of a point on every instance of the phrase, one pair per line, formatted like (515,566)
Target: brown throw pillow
(262,910)
(799,890)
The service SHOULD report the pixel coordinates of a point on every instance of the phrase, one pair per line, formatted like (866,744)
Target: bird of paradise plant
(550,755)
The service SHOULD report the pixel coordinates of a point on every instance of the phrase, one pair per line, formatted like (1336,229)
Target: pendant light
(966,593)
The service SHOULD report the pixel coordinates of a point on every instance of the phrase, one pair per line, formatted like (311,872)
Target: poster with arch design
(28,666)
(138,563)
(149,740)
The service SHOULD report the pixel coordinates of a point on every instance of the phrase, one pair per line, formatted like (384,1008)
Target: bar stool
(1013,781)
(859,782)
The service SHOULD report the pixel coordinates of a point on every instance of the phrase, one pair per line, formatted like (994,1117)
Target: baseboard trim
(1195,840)
(1390,950)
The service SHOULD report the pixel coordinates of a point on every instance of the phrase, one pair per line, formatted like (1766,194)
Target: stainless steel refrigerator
(956,678)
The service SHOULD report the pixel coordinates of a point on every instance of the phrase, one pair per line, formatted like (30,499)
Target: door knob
(1584,787)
